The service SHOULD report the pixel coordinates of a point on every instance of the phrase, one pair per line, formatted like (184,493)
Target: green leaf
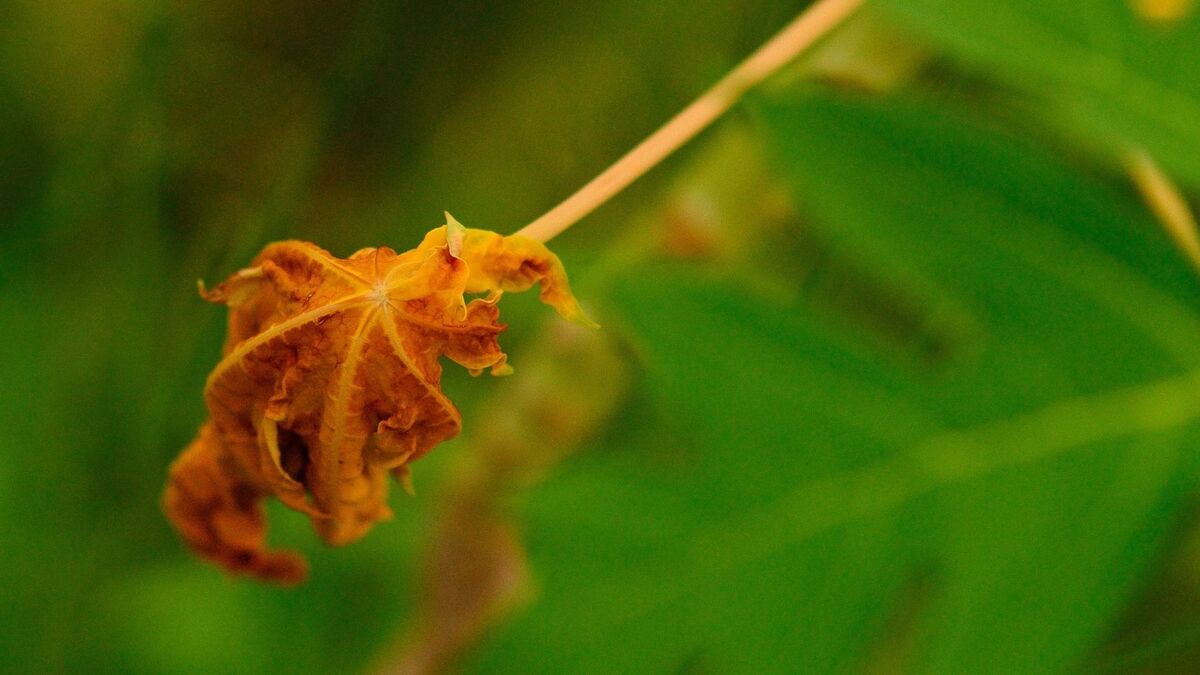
(1099,70)
(808,480)
(1075,291)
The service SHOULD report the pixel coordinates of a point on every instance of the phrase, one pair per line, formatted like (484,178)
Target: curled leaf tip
(404,477)
(502,368)
(330,383)
(575,314)
(454,235)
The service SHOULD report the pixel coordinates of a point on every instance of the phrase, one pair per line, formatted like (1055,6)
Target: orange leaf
(331,379)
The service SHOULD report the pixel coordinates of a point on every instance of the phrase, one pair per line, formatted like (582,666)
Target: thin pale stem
(797,36)
(1165,200)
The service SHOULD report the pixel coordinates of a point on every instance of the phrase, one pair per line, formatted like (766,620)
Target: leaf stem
(1166,202)
(812,24)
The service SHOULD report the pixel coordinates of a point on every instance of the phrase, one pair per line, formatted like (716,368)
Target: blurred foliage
(898,374)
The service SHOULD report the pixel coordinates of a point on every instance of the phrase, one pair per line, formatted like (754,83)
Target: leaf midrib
(948,458)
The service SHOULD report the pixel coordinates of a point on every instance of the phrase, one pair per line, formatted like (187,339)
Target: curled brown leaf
(330,381)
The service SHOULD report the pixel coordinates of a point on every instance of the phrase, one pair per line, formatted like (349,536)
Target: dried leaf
(331,380)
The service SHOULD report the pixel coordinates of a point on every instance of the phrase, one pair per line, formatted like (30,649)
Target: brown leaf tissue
(330,381)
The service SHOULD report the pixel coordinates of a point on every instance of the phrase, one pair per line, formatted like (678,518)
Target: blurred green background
(898,373)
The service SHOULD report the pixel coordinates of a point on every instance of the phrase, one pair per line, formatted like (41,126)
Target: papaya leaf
(809,480)
(1111,72)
